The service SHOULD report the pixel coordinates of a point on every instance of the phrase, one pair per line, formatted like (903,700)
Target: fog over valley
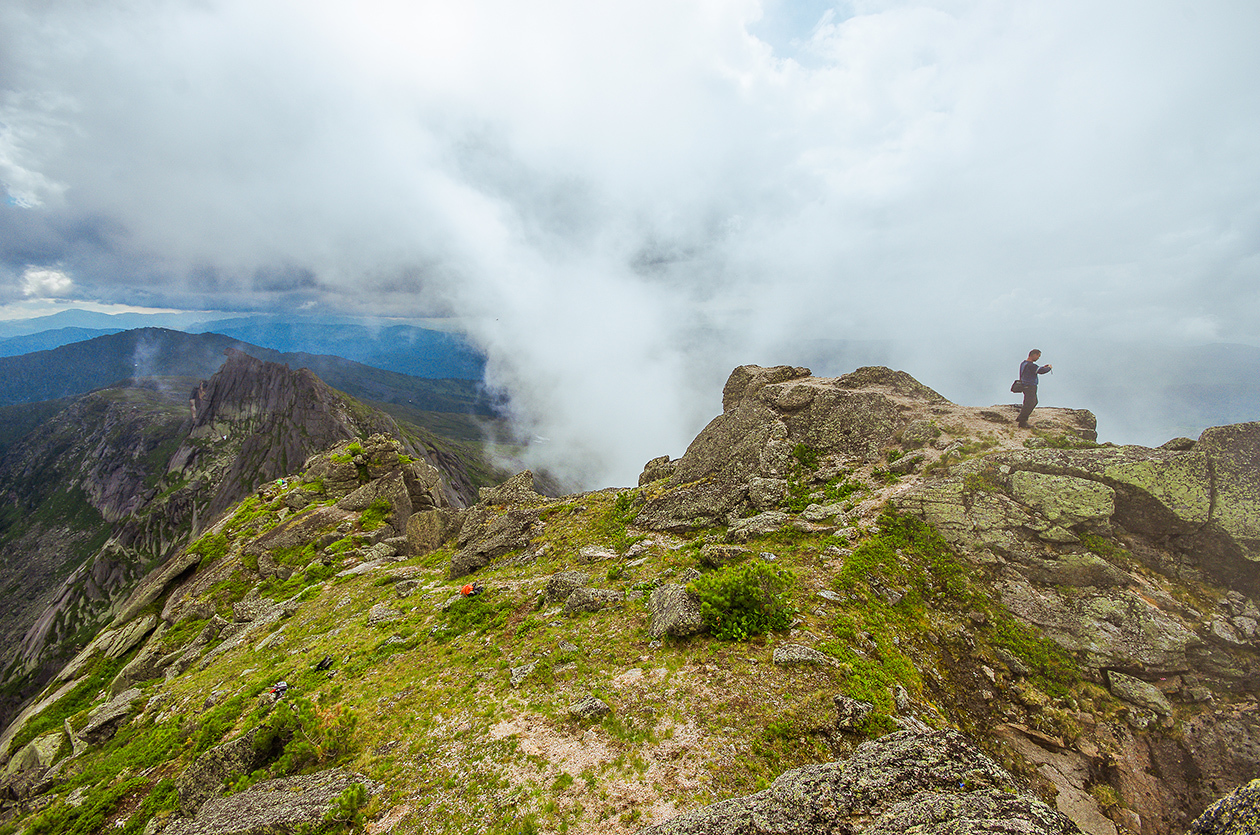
(617,203)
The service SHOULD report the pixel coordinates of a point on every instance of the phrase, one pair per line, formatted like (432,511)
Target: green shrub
(743,600)
(479,613)
(610,526)
(375,514)
(806,456)
(347,814)
(297,734)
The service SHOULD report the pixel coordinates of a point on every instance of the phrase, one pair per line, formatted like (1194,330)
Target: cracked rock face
(935,782)
(281,805)
(1236,814)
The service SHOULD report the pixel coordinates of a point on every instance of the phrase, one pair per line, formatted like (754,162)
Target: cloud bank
(622,201)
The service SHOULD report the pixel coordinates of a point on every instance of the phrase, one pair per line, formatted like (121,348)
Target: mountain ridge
(586,663)
(142,473)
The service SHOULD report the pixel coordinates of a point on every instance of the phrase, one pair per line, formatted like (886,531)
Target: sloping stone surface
(104,721)
(675,611)
(209,772)
(1238,813)
(936,782)
(486,535)
(271,807)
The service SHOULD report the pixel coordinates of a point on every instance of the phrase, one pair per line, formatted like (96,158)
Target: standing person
(1028,371)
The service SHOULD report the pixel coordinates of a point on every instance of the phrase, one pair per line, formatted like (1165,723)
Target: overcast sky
(621,201)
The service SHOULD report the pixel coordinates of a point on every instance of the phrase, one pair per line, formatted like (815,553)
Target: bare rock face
(503,521)
(675,612)
(591,600)
(283,805)
(741,458)
(207,775)
(487,535)
(1236,814)
(934,783)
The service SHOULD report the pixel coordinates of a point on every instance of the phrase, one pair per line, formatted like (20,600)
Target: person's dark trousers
(1030,403)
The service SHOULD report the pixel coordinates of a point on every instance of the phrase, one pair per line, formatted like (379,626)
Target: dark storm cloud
(621,201)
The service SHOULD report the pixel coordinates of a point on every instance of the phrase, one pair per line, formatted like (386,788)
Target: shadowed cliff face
(121,479)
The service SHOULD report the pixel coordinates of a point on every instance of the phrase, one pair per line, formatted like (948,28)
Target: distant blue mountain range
(405,349)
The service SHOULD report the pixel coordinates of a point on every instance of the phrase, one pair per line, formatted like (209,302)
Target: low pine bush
(743,600)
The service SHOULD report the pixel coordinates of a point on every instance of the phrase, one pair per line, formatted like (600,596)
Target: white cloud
(45,283)
(625,200)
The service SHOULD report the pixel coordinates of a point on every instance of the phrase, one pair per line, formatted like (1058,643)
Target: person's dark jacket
(1028,371)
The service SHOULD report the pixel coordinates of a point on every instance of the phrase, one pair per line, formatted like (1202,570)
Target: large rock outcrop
(936,783)
(1141,563)
(768,413)
(283,805)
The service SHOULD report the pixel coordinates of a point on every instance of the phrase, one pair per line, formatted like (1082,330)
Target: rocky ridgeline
(132,467)
(1143,563)
(359,494)
(585,651)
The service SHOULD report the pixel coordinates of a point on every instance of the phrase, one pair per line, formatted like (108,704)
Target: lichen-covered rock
(283,805)
(1138,692)
(298,530)
(382,613)
(36,755)
(789,654)
(486,535)
(563,583)
(675,612)
(716,555)
(517,490)
(104,720)
(428,529)
(767,493)
(1234,453)
(207,775)
(919,432)
(657,469)
(1077,570)
(591,600)
(589,708)
(1064,500)
(760,525)
(1112,629)
(768,411)
(391,488)
(932,783)
(909,462)
(970,520)
(1238,813)
(521,672)
(700,504)
(851,713)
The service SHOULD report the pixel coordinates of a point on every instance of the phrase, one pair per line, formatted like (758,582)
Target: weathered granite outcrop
(675,612)
(741,458)
(273,806)
(933,784)
(1235,814)
(207,775)
(503,521)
